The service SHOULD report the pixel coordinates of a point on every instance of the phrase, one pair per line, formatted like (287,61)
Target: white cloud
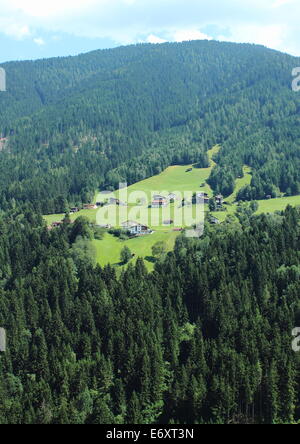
(279,3)
(48,8)
(14,30)
(189,35)
(272,36)
(273,23)
(39,41)
(154,39)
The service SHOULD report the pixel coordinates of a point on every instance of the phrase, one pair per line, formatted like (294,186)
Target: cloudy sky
(31,29)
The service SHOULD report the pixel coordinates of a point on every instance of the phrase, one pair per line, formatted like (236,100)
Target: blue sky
(31,29)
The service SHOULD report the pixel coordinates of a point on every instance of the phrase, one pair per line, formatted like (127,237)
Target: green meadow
(90,214)
(265,206)
(109,249)
(158,219)
(279,204)
(240,183)
(175,179)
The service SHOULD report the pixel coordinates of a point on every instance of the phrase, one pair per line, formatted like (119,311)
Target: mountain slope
(81,122)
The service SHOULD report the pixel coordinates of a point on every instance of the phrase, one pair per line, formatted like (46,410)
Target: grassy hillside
(90,214)
(176,179)
(265,206)
(109,249)
(240,183)
(173,179)
(280,204)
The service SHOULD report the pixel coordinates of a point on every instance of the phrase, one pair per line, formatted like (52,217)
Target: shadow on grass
(150,259)
(119,264)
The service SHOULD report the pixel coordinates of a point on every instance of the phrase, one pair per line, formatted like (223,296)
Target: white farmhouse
(136,228)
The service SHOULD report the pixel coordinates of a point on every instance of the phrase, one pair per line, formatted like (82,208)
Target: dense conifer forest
(204,338)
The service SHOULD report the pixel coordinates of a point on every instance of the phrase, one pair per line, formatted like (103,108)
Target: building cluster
(204,197)
(159,201)
(135,228)
(74,210)
(219,200)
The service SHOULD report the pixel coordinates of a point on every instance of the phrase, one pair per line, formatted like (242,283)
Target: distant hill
(76,123)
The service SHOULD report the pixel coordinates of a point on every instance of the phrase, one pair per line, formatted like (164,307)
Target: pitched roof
(131,223)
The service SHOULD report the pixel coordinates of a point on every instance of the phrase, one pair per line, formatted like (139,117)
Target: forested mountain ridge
(205,338)
(73,122)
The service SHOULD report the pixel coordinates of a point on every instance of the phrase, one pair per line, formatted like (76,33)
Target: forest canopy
(205,338)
